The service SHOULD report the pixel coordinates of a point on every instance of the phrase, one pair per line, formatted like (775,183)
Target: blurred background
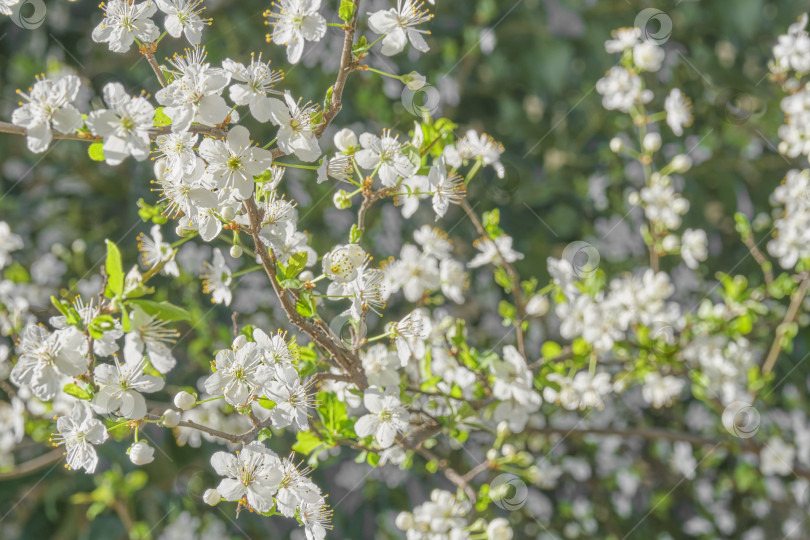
(523,71)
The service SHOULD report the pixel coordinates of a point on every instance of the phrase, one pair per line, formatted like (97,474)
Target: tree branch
(347,65)
(33,465)
(790,316)
(520,305)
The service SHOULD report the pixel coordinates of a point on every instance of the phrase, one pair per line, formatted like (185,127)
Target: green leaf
(355,234)
(266,403)
(162,310)
(16,273)
(115,271)
(161,119)
(306,305)
(361,47)
(346,10)
(307,442)
(550,350)
(332,413)
(61,307)
(96,151)
(76,391)
(147,212)
(99,325)
(296,264)
(291,283)
(125,324)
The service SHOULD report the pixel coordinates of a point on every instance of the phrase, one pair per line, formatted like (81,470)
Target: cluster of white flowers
(582,391)
(418,272)
(263,368)
(792,50)
(259,478)
(608,317)
(791,243)
(663,205)
(444,517)
(724,362)
(126,21)
(514,386)
(387,395)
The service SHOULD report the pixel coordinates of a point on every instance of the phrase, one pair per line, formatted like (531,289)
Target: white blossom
(123,22)
(183,18)
(125,126)
(386,417)
(296,132)
(256,80)
(295,22)
(43,356)
(79,431)
(397,24)
(120,386)
(253,474)
(217,279)
(194,94)
(386,155)
(48,104)
(679,111)
(240,373)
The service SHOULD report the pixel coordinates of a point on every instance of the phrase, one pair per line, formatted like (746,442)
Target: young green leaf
(115,271)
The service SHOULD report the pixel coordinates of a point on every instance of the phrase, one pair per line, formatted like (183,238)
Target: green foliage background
(534,92)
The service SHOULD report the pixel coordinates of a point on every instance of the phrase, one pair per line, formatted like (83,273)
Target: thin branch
(369,198)
(347,362)
(211,131)
(790,317)
(347,65)
(5,127)
(759,257)
(33,465)
(149,52)
(520,305)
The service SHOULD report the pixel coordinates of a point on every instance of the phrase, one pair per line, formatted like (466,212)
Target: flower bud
(508,450)
(211,497)
(141,453)
(345,139)
(228,213)
(492,454)
(170,418)
(616,144)
(404,521)
(184,400)
(342,200)
(537,306)
(651,142)
(681,163)
(670,243)
(414,80)
(236,251)
(499,529)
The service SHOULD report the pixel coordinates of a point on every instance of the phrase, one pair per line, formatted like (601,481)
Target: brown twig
(790,316)
(84,136)
(347,65)
(759,257)
(520,305)
(347,361)
(149,52)
(33,465)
